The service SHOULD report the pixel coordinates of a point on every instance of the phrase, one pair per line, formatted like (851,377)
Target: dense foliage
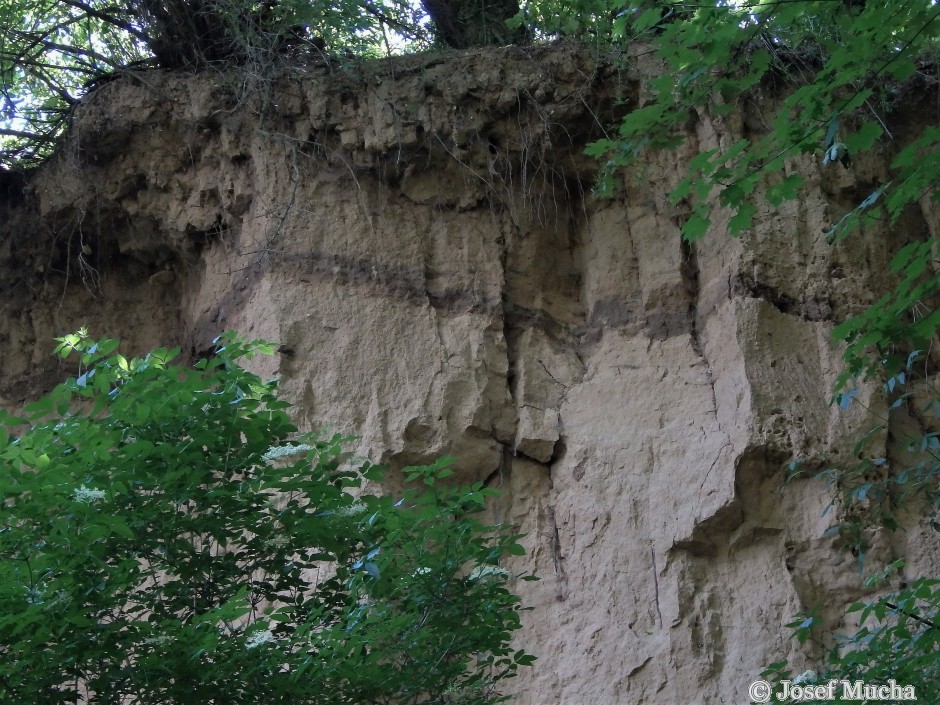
(165,539)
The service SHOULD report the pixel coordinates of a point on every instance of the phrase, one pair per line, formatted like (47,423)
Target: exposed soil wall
(422,239)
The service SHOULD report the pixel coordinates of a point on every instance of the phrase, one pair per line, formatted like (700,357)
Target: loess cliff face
(421,237)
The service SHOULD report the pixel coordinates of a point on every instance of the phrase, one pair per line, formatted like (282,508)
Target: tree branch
(923,621)
(405,29)
(6,132)
(110,19)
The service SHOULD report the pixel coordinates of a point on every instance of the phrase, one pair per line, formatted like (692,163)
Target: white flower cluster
(160,640)
(258,638)
(34,597)
(487,571)
(277,542)
(58,600)
(87,495)
(353,510)
(805,677)
(275,452)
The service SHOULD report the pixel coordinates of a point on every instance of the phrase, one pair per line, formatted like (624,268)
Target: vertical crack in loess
(690,274)
(659,612)
(557,558)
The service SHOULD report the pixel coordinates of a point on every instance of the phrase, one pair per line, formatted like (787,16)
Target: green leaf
(786,190)
(647,19)
(695,227)
(742,220)
(864,138)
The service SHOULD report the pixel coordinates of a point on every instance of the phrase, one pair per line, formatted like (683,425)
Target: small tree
(161,541)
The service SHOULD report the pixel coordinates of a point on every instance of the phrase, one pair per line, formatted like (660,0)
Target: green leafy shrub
(165,538)
(896,636)
(898,640)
